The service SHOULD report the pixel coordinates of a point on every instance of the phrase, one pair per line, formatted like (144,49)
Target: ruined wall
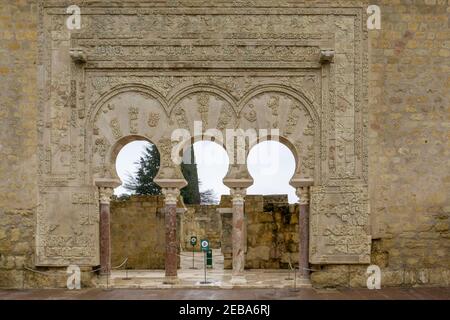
(138,232)
(271,230)
(409,150)
(202,221)
(18,139)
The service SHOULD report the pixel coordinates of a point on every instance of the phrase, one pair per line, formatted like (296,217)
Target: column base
(171,280)
(238,280)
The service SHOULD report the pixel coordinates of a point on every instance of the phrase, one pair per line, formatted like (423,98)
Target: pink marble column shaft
(171,239)
(303,225)
(105,194)
(238,238)
(105,238)
(303,229)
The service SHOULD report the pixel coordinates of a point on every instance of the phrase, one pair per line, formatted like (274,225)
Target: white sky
(270,163)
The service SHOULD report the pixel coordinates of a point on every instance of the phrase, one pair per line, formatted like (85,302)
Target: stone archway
(97,90)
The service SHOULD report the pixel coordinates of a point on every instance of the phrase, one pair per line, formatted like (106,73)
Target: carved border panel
(339,225)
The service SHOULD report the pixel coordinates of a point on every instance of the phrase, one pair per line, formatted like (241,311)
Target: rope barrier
(89,271)
(190,255)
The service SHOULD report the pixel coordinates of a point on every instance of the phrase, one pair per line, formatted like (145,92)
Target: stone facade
(370,126)
(89,108)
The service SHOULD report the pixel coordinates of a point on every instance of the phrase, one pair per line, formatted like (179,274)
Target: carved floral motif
(251,114)
(115,127)
(133,114)
(153,119)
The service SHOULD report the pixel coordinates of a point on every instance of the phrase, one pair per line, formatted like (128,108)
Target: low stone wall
(138,232)
(202,221)
(271,232)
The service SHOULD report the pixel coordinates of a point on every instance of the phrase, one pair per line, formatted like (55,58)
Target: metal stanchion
(126,271)
(107,281)
(290,269)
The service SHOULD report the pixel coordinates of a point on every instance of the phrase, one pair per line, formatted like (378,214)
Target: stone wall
(271,231)
(18,139)
(409,151)
(138,232)
(202,221)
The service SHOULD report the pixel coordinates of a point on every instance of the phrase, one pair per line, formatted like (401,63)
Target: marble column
(303,225)
(105,194)
(238,235)
(170,217)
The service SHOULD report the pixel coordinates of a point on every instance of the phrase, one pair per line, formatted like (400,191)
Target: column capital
(106,189)
(237,195)
(171,195)
(303,195)
(105,194)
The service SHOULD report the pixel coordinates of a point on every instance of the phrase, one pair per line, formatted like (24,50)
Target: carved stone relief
(264,72)
(339,224)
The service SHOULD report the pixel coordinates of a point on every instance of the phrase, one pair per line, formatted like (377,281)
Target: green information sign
(204,245)
(193,240)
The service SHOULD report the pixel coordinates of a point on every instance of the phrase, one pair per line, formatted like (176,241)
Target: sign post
(193,243)
(205,247)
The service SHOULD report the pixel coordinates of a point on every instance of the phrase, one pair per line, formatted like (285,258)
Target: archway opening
(272,165)
(130,167)
(205,165)
(270,210)
(137,221)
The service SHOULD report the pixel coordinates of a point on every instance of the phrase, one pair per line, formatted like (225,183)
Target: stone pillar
(170,213)
(238,239)
(303,226)
(105,194)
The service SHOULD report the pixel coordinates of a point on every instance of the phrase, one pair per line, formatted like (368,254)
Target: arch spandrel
(125,116)
(210,106)
(287,116)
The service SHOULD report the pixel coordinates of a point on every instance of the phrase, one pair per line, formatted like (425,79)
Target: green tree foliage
(148,166)
(190,193)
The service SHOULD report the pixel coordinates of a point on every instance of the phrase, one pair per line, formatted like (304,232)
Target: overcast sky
(270,163)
